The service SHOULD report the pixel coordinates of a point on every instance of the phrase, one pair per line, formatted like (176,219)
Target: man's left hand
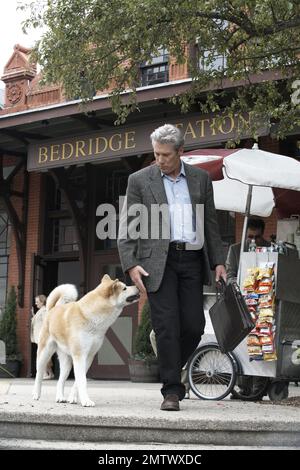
(220,272)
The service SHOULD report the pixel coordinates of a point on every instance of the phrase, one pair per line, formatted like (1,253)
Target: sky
(11,31)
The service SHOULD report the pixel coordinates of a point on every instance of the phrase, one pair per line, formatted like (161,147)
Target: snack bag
(266,340)
(270,356)
(253,340)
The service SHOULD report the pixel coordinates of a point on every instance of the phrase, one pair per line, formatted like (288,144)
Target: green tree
(142,348)
(8,326)
(89,43)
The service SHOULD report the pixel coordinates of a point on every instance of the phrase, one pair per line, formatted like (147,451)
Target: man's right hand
(136,274)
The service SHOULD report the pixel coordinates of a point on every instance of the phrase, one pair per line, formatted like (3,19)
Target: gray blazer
(146,187)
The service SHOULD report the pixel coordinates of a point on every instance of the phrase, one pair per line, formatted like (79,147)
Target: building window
(61,234)
(64,235)
(111,184)
(209,61)
(114,271)
(156,70)
(4,255)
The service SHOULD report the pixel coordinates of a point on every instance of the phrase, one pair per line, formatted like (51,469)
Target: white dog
(76,330)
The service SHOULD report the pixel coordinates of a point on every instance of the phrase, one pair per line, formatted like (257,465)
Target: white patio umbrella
(248,175)
(231,195)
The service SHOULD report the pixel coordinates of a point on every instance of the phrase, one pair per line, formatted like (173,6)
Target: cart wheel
(211,374)
(250,388)
(278,390)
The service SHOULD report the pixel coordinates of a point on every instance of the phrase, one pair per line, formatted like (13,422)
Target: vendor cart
(213,375)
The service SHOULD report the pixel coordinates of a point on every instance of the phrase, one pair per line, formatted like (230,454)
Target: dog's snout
(132,298)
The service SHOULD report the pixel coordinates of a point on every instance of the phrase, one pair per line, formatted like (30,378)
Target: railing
(151,75)
(216,61)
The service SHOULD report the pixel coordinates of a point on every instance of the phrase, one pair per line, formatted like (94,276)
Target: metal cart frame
(213,375)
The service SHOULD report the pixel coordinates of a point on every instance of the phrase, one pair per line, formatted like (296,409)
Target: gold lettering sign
(67,150)
(43,155)
(106,145)
(80,146)
(227,125)
(115,140)
(101,145)
(189,131)
(129,140)
(54,153)
(201,123)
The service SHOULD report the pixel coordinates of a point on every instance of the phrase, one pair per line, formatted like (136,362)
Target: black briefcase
(230,317)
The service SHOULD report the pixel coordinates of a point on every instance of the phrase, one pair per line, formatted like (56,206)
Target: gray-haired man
(172,268)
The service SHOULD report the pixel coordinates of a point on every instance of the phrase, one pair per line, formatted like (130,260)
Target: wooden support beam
(16,135)
(18,224)
(92,122)
(13,153)
(60,175)
(23,136)
(16,170)
(19,232)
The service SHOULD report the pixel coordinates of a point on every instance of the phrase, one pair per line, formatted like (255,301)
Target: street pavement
(127,415)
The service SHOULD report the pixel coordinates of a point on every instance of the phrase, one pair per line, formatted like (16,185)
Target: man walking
(174,261)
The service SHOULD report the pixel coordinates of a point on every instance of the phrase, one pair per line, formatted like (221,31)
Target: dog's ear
(110,288)
(105,278)
(114,286)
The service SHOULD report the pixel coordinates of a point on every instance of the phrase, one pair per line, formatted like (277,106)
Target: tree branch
(281,26)
(229,18)
(250,29)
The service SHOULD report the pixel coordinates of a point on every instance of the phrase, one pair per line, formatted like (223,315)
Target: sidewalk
(127,412)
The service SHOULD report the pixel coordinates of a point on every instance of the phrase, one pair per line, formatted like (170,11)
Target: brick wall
(268,144)
(32,246)
(33,94)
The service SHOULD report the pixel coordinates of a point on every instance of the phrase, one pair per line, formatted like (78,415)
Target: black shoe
(170,403)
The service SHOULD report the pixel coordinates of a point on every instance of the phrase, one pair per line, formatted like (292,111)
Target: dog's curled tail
(62,294)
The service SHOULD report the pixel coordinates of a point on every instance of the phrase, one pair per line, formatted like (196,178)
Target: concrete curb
(124,429)
(129,413)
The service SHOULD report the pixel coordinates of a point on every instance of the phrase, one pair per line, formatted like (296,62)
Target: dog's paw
(35,396)
(72,399)
(60,399)
(87,402)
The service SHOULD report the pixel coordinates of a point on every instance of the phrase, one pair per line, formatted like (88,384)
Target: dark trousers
(177,316)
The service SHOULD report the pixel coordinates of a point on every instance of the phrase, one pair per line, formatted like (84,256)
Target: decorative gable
(19,64)
(18,72)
